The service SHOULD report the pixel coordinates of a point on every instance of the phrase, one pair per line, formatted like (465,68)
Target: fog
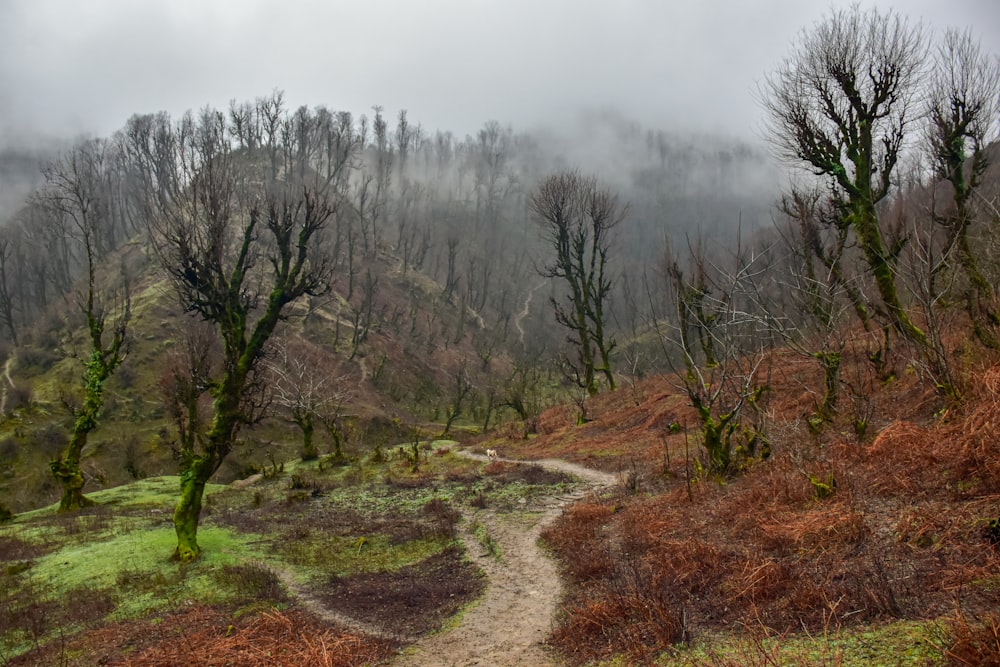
(70,67)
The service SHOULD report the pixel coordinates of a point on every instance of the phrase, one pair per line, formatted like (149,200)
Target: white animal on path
(491,453)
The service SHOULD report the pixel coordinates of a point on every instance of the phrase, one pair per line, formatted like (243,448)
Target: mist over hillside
(360,375)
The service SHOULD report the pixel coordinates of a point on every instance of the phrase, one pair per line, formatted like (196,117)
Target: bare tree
(721,374)
(806,300)
(7,293)
(75,193)
(522,393)
(578,218)
(241,244)
(185,385)
(307,388)
(841,106)
(963,108)
(461,391)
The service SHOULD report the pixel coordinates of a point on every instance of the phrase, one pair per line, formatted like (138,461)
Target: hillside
(290,386)
(885,547)
(834,550)
(394,380)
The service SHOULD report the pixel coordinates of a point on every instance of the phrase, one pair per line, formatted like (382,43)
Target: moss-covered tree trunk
(864,219)
(197,470)
(66,468)
(604,348)
(188,510)
(979,299)
(586,355)
(716,436)
(829,361)
(304,421)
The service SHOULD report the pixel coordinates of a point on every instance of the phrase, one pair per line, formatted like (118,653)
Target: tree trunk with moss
(241,242)
(864,219)
(66,470)
(188,510)
(829,361)
(102,363)
(197,469)
(304,420)
(716,437)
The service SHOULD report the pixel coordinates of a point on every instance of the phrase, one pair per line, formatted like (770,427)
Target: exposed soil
(509,624)
(410,602)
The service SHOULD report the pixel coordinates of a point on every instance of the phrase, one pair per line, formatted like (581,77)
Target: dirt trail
(524,311)
(8,385)
(507,626)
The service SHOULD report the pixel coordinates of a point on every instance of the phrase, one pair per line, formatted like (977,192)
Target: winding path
(8,386)
(507,626)
(524,311)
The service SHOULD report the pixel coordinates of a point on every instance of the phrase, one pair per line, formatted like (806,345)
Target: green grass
(320,556)
(113,561)
(899,644)
(132,570)
(484,538)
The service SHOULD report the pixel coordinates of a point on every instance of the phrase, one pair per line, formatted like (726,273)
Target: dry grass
(201,635)
(973,642)
(827,534)
(272,639)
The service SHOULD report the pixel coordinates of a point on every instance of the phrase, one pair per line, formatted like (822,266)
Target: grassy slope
(400,377)
(868,574)
(375,525)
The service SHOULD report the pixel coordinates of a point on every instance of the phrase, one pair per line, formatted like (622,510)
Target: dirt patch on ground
(411,601)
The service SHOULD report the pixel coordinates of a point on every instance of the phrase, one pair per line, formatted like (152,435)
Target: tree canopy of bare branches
(963,109)
(241,234)
(578,218)
(75,196)
(841,106)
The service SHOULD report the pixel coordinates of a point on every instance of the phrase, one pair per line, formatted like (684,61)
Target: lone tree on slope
(577,218)
(241,236)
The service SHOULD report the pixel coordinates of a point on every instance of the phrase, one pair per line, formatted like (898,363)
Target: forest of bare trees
(432,268)
(734,400)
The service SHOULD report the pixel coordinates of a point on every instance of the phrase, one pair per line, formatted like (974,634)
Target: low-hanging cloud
(69,67)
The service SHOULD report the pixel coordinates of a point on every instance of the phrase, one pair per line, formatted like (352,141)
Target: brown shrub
(973,642)
(576,537)
(826,533)
(632,612)
(285,639)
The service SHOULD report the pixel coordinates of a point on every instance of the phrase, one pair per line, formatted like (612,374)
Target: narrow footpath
(507,626)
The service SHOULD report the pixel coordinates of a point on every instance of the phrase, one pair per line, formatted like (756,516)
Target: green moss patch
(900,644)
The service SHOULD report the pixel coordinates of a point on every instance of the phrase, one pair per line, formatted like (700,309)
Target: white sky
(84,66)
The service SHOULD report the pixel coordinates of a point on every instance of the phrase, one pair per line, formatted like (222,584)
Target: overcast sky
(84,66)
